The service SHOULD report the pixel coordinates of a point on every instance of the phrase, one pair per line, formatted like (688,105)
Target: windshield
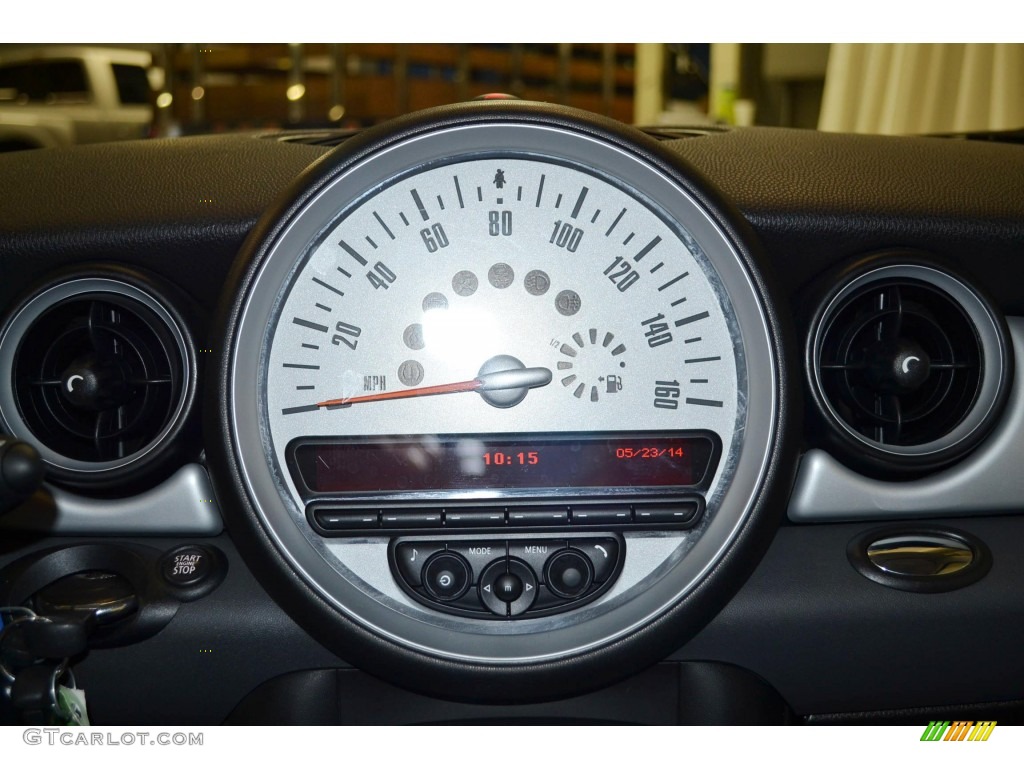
(170,89)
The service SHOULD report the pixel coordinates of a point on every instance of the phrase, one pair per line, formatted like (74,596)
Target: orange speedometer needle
(438,389)
(509,385)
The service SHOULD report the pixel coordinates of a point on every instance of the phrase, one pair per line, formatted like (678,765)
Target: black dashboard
(410,425)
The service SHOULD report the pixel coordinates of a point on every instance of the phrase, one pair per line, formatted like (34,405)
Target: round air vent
(102,377)
(909,366)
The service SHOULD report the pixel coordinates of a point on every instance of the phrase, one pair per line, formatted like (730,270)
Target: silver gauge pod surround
(909,365)
(380,245)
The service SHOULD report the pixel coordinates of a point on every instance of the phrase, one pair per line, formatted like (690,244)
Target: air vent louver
(909,365)
(101,377)
(901,363)
(97,379)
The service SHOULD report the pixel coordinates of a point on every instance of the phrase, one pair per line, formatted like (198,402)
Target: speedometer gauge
(498,292)
(503,389)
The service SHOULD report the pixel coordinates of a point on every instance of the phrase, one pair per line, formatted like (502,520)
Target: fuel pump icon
(613,384)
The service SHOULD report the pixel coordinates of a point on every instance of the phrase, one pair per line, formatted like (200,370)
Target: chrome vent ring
(909,365)
(99,373)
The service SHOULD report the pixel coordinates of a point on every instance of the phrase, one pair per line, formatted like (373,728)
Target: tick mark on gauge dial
(692,319)
(328,286)
(419,204)
(383,225)
(647,248)
(579,203)
(701,401)
(310,324)
(615,223)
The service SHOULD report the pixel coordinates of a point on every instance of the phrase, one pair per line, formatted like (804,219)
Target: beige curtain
(923,88)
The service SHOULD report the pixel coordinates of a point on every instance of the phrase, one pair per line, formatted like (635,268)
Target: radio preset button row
(673,514)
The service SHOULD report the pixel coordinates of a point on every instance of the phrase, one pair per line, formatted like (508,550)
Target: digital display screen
(481,462)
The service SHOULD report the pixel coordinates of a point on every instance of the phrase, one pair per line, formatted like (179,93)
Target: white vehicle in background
(59,95)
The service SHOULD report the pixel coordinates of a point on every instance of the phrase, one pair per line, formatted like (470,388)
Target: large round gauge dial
(497,308)
(454,268)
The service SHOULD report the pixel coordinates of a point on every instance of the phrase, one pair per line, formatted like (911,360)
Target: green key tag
(71,706)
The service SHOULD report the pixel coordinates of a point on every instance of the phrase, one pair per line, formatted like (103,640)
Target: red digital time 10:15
(522,458)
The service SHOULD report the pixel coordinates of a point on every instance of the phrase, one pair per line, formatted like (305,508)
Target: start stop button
(186,565)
